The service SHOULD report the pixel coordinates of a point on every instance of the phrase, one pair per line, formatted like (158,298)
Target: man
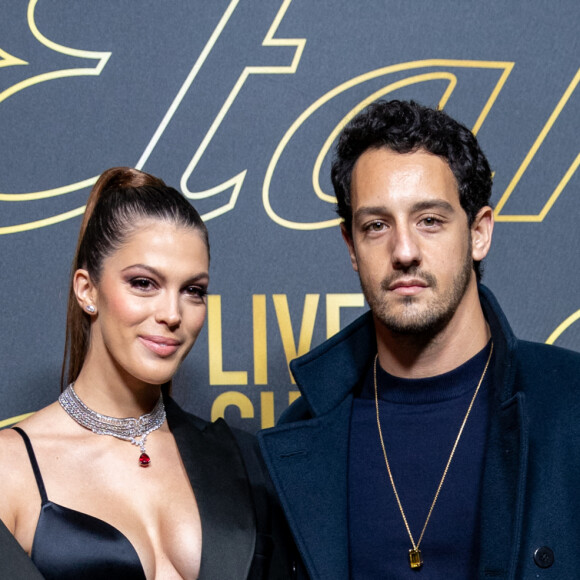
(428,442)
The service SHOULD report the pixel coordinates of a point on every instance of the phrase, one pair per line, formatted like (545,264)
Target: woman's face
(150,302)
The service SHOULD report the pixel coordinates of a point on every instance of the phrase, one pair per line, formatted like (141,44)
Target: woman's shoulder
(12,447)
(14,457)
(16,473)
(11,450)
(42,423)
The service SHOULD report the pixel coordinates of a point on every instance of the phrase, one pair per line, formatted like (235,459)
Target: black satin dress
(71,545)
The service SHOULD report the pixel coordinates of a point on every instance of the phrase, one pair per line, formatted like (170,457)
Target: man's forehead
(382,172)
(387,156)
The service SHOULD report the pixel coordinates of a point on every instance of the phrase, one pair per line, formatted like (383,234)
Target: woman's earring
(91,309)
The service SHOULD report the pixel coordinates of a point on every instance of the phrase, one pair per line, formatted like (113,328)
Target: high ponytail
(121,198)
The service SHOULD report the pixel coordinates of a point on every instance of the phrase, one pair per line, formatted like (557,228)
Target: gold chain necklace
(415,558)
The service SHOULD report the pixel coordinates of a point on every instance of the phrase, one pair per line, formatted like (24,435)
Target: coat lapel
(504,491)
(217,474)
(308,465)
(506,464)
(308,459)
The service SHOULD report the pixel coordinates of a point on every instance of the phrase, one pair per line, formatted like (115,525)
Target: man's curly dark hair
(404,127)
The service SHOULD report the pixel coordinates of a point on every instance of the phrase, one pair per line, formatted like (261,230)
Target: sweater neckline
(447,386)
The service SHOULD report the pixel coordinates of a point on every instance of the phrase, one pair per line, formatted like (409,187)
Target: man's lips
(160,345)
(408,287)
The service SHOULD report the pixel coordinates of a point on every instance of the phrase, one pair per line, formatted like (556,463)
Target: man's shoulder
(534,361)
(536,355)
(549,377)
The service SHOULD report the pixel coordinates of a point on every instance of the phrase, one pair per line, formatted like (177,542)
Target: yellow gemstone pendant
(415,558)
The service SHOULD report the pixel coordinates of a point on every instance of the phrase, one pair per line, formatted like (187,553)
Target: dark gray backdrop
(236,104)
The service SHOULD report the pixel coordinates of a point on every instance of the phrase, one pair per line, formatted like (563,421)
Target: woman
(114,480)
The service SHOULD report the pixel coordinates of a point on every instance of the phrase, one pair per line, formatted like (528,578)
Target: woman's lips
(160,345)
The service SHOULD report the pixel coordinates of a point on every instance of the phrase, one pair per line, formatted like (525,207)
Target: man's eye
(375,226)
(431,221)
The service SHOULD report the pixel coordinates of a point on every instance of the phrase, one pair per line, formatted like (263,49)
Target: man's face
(411,243)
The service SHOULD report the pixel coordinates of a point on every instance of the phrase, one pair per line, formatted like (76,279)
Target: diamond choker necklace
(128,429)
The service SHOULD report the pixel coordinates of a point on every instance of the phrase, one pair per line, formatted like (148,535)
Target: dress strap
(34,464)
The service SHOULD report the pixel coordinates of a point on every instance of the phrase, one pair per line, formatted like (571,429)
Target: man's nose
(405,251)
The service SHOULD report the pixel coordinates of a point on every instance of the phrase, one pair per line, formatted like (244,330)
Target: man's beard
(432,316)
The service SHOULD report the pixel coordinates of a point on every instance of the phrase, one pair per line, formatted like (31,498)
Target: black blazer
(244,533)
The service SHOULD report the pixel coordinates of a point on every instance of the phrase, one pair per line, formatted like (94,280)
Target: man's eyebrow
(369,210)
(431,204)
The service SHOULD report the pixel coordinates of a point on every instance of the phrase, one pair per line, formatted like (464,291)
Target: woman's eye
(196,291)
(141,283)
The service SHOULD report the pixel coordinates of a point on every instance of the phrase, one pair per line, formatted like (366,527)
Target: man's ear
(481,232)
(350,245)
(85,291)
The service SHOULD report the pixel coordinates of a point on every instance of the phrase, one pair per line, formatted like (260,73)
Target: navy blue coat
(530,499)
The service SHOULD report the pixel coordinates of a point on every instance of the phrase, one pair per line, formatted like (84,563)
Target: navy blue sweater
(420,421)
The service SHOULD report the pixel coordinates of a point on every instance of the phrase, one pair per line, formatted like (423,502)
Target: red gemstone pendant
(144,460)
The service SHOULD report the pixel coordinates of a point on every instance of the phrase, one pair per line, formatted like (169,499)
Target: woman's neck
(115,395)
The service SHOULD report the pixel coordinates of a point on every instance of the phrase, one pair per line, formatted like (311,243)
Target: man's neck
(427,355)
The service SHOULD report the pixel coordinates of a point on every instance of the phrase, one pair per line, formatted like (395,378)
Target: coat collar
(505,344)
(217,474)
(339,362)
